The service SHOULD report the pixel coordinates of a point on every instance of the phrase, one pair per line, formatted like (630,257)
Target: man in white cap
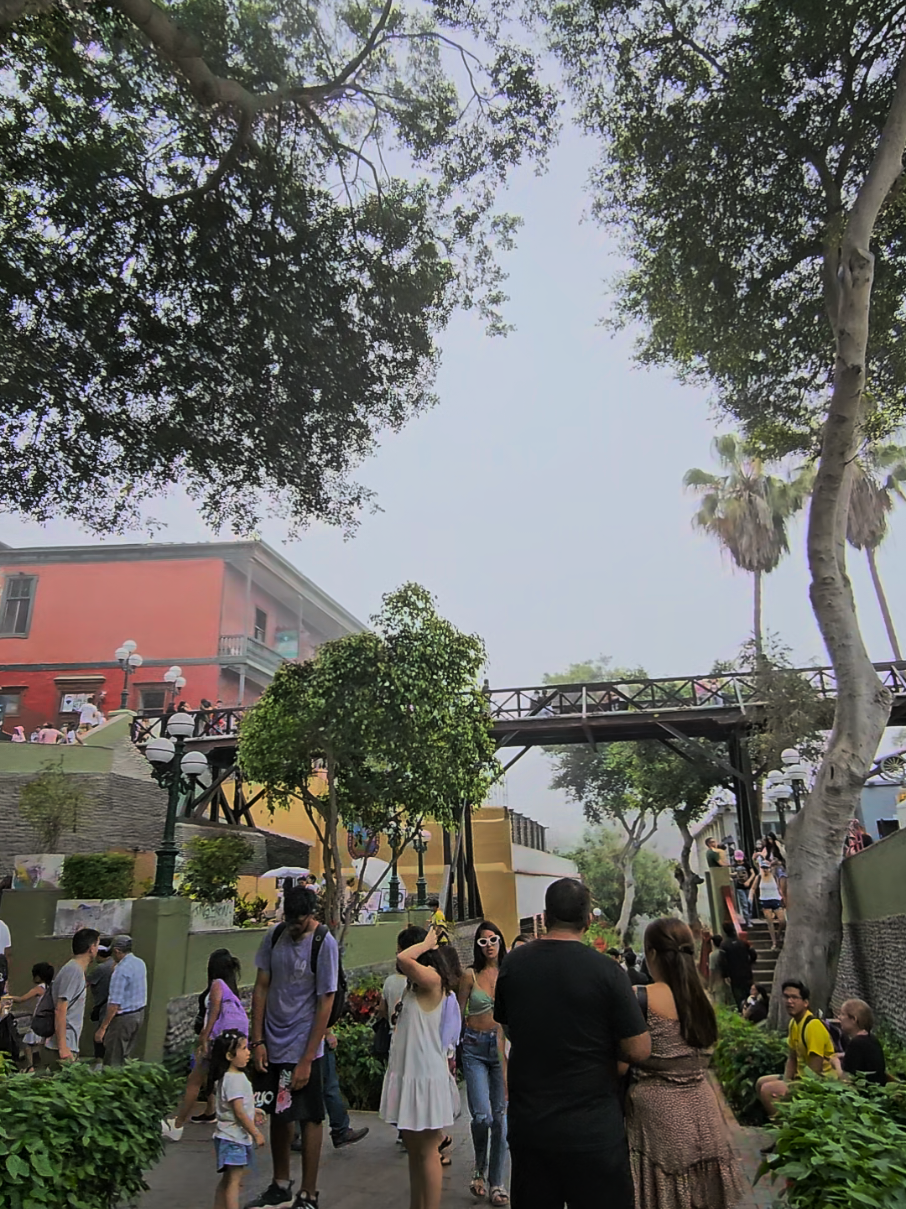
(126,1002)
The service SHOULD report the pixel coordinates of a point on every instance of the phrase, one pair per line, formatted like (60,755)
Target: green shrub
(211,872)
(360,1074)
(249,912)
(838,1146)
(79,1139)
(99,875)
(744,1052)
(894,1051)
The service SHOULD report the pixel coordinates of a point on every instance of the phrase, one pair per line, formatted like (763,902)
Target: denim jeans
(742,903)
(487,1101)
(336,1110)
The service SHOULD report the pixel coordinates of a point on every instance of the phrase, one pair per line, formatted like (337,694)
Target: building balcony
(242,649)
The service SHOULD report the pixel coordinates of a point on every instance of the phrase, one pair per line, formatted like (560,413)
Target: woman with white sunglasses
(484,1063)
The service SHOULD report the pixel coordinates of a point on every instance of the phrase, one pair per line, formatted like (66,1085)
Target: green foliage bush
(80,1139)
(99,875)
(744,1052)
(360,1074)
(211,872)
(249,911)
(838,1146)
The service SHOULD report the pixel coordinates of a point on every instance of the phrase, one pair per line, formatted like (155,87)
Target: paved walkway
(373,1172)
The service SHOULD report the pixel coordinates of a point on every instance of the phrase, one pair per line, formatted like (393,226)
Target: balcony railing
(248,650)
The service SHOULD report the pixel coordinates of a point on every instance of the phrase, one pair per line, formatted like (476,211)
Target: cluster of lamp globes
(179,727)
(788,782)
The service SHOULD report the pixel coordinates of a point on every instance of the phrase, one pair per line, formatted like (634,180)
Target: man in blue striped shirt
(126,1002)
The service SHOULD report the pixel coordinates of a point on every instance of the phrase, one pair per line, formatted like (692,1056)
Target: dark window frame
(7,711)
(9,582)
(259,632)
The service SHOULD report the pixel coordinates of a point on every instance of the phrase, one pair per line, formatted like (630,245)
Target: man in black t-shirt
(736,962)
(571,1016)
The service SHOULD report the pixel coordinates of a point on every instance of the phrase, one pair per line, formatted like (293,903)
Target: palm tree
(747,511)
(871,500)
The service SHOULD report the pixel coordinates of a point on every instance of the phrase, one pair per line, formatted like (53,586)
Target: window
(260,625)
(10,705)
(153,698)
(18,598)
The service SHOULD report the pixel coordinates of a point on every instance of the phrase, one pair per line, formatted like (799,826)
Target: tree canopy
(734,136)
(656,891)
(395,715)
(230,235)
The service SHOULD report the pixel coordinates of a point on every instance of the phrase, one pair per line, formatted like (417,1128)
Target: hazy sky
(542,500)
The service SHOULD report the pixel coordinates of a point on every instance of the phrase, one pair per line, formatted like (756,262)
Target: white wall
(534,872)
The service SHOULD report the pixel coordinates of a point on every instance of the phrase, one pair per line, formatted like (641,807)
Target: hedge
(80,1139)
(99,875)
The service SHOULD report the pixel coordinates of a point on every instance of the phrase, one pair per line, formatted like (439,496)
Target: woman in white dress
(420,1096)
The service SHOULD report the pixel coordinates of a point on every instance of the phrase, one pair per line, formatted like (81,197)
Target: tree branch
(227,162)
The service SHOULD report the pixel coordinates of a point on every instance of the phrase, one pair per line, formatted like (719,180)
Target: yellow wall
(492,849)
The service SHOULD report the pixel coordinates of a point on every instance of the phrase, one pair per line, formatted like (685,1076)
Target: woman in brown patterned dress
(678,1142)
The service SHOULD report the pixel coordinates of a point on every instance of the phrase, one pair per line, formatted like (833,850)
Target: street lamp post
(175,680)
(795,773)
(171,763)
(420,844)
(779,793)
(129,660)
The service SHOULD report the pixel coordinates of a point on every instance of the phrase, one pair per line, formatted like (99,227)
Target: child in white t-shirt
(236,1131)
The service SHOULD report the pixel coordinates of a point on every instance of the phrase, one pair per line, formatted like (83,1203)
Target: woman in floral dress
(678,1141)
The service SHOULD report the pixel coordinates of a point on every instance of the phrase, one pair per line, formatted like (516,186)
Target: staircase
(766,962)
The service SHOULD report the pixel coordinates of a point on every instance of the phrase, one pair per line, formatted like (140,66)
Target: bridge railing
(209,724)
(730,690)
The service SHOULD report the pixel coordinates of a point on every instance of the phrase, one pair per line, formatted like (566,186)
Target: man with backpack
(67,995)
(294,1003)
(810,1047)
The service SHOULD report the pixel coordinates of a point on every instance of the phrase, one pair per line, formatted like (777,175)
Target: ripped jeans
(487,1101)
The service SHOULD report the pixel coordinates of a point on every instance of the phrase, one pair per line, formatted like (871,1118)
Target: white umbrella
(286,871)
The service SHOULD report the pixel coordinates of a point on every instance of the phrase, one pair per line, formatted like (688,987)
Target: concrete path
(373,1172)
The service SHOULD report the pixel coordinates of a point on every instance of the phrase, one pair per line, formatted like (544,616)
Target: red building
(227,613)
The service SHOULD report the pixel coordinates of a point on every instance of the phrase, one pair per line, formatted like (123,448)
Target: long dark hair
(674,948)
(445,960)
(479,956)
(222,1050)
(772,847)
(223,965)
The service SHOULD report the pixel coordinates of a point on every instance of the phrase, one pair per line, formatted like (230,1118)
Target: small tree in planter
(52,803)
(211,871)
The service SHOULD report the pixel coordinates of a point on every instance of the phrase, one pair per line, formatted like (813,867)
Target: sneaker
(273,1197)
(349,1136)
(204,1118)
(169,1129)
(306,1200)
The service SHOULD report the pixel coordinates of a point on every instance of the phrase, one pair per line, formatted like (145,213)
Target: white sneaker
(170,1129)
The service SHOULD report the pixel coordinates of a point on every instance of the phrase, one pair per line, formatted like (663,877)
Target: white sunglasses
(484,941)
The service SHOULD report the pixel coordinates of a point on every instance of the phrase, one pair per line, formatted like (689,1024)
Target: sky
(541,501)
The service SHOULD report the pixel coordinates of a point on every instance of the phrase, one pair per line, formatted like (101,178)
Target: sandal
(500,1196)
(448,1141)
(477,1187)
(446,1161)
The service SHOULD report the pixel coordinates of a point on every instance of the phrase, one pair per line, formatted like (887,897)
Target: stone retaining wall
(871,968)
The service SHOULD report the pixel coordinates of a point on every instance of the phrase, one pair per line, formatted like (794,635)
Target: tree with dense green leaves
(230,235)
(747,510)
(752,159)
(397,718)
(878,473)
(597,857)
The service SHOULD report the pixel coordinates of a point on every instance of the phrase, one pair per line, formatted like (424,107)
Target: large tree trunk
(815,836)
(626,866)
(872,555)
(757,624)
(691,879)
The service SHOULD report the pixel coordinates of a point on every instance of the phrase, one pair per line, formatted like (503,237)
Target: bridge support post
(744,790)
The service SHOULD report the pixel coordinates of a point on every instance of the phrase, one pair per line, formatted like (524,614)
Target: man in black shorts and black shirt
(571,1016)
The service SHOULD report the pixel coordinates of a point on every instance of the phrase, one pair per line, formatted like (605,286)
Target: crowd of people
(590,1073)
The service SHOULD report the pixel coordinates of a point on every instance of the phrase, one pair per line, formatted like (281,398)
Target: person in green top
(714,855)
(810,1047)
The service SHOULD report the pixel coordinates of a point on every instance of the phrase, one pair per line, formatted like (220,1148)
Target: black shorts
(273,1094)
(578,1179)
(771,904)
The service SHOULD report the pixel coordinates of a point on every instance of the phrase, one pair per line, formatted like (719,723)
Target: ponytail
(673,945)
